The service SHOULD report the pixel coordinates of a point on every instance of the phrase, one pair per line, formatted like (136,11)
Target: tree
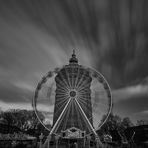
(112,123)
(115,122)
(22,119)
(8,117)
(126,122)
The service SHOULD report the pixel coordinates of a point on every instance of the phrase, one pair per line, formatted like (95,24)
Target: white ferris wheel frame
(44,80)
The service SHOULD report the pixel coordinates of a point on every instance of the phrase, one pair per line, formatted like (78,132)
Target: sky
(111,36)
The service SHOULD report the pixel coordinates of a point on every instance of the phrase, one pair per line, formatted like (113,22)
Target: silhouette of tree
(23,119)
(9,118)
(126,122)
(115,122)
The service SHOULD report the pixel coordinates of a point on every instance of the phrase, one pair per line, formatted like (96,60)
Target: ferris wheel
(73,96)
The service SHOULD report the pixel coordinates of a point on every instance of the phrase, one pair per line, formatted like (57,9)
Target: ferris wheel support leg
(89,124)
(60,117)
(47,142)
(55,126)
(84,142)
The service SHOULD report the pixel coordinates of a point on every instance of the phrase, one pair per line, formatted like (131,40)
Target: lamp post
(57,139)
(41,138)
(88,140)
(49,137)
(98,142)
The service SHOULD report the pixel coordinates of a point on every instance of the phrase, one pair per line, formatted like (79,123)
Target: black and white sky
(110,36)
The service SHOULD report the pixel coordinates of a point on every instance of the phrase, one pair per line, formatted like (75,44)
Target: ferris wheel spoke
(61,103)
(77,77)
(83,96)
(72,79)
(62,90)
(83,104)
(72,112)
(84,86)
(81,80)
(58,121)
(84,93)
(62,87)
(61,106)
(61,95)
(82,100)
(66,118)
(85,118)
(65,82)
(65,121)
(85,107)
(68,79)
(85,83)
(61,83)
(62,100)
(59,109)
(73,82)
(74,76)
(79,124)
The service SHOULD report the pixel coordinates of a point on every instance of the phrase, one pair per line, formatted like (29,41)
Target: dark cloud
(36,36)
(112,31)
(133,105)
(10,92)
(136,108)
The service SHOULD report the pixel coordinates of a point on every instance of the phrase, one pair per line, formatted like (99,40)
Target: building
(73,81)
(138,135)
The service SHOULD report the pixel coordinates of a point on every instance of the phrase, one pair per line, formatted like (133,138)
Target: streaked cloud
(130,92)
(36,37)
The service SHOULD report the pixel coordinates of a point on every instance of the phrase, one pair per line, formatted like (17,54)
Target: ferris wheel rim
(41,82)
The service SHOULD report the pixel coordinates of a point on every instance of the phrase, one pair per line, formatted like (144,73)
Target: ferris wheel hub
(72,93)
